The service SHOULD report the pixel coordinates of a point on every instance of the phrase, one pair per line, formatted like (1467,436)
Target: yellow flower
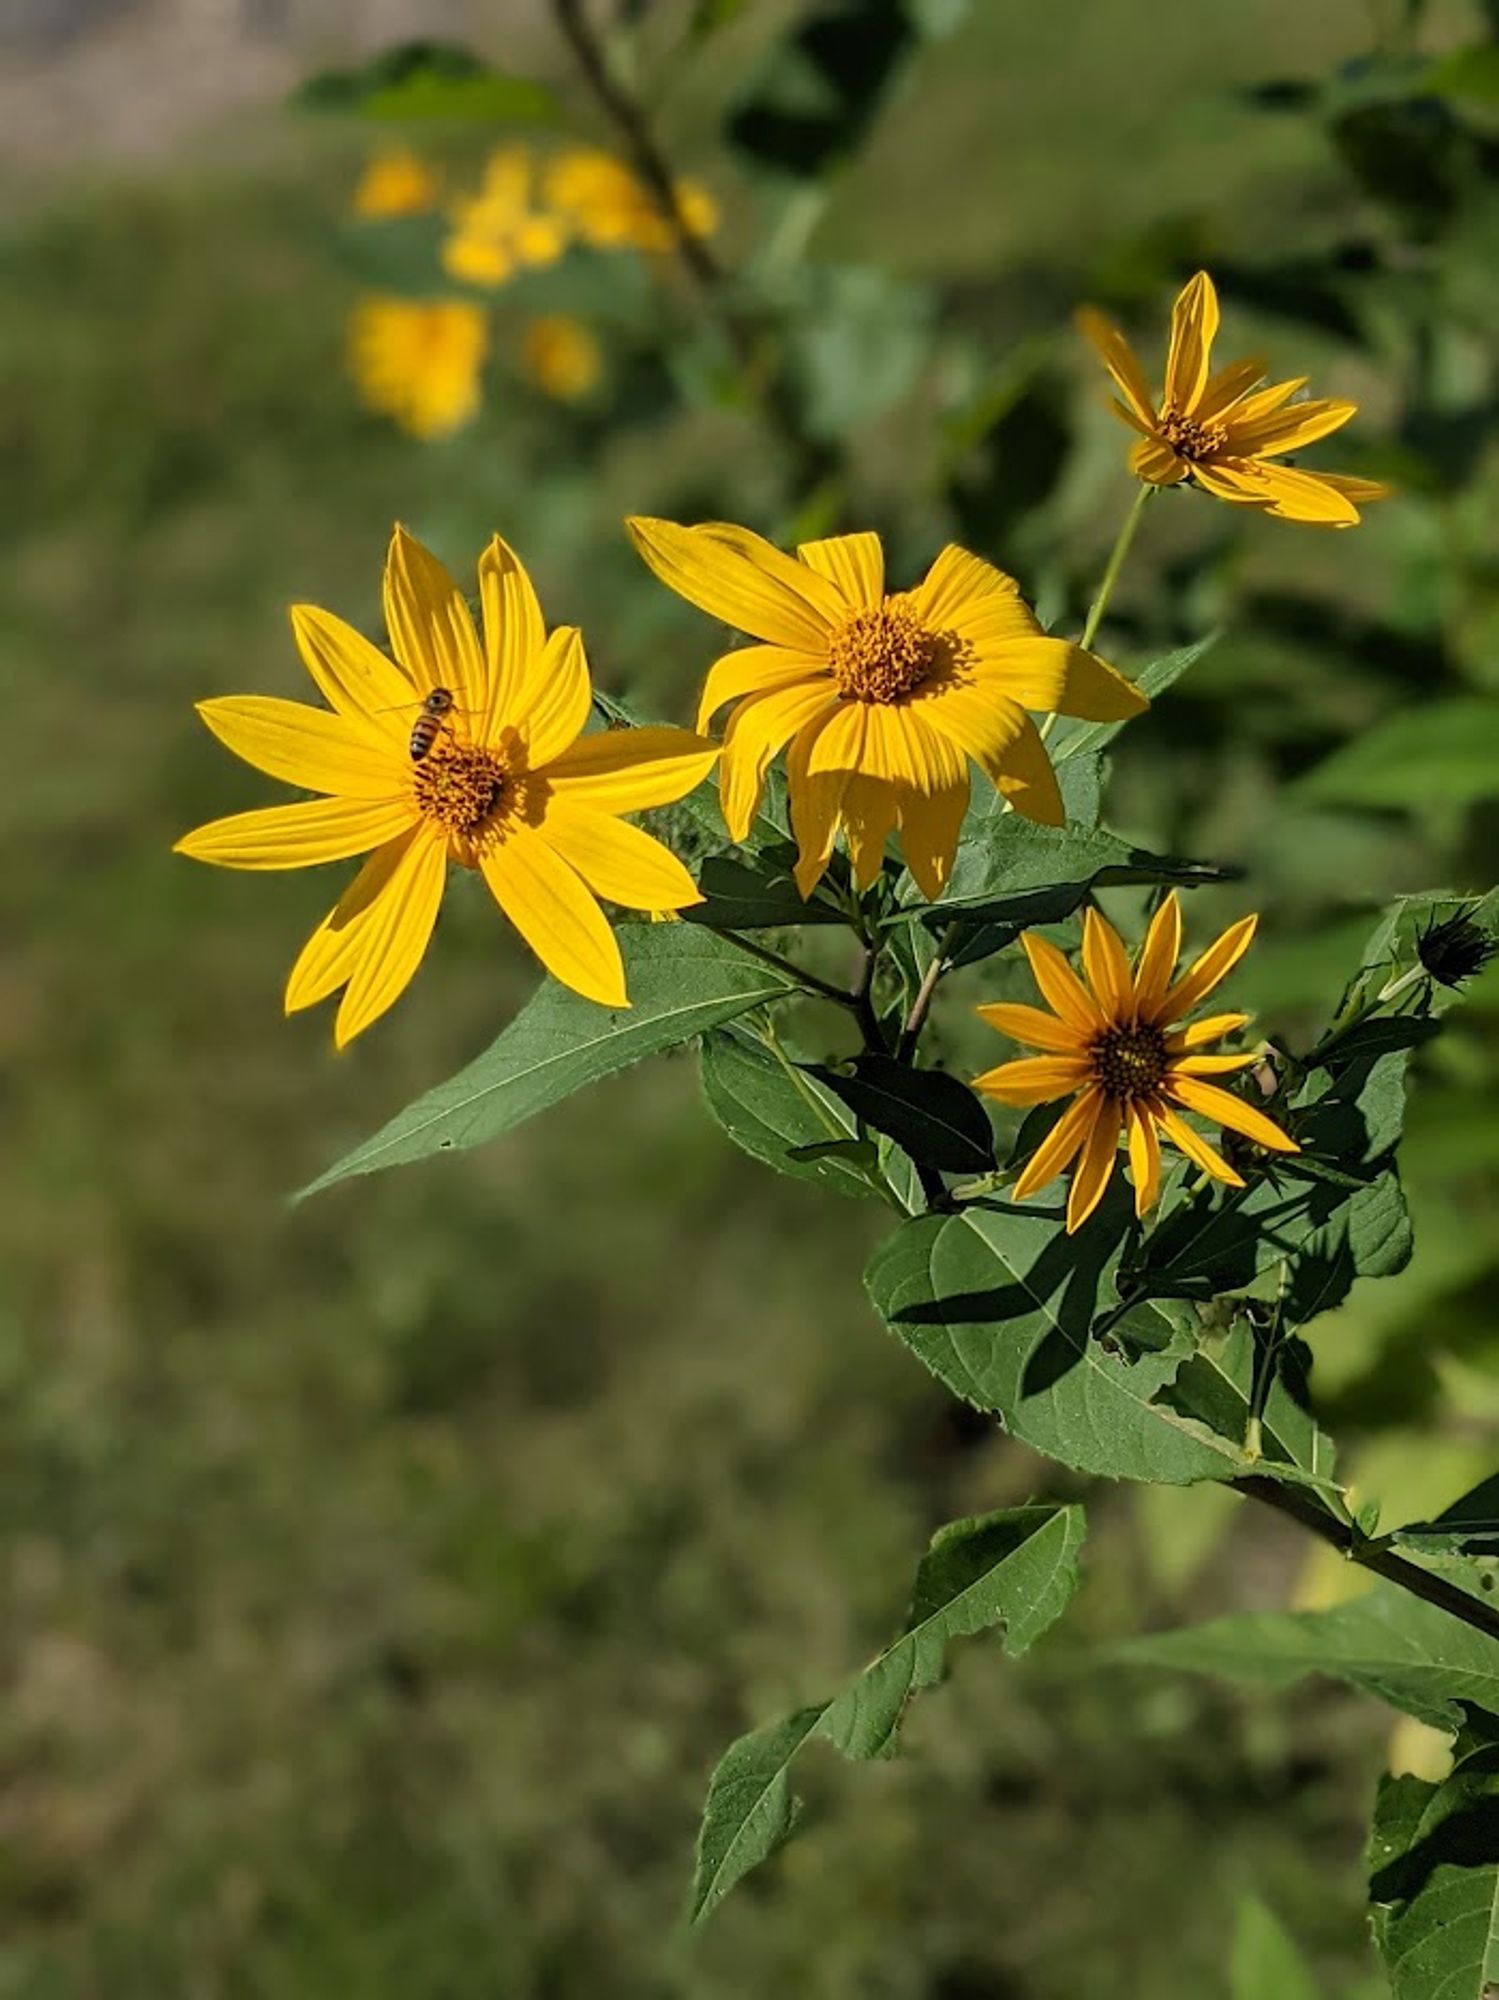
(499,231)
(1221,430)
(510,786)
(397,182)
(1115,1045)
(882,699)
(561,356)
(611,207)
(418,361)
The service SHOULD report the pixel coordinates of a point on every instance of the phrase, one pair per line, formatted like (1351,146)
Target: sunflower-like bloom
(882,699)
(561,356)
(419,361)
(506,783)
(1221,430)
(501,230)
(611,208)
(396,182)
(1119,1047)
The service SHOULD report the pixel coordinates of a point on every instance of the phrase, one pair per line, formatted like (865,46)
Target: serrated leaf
(1411,1654)
(1152,680)
(682,982)
(933,1117)
(789,1122)
(1438,753)
(1265,1964)
(1014,1571)
(1216,1386)
(1434,1875)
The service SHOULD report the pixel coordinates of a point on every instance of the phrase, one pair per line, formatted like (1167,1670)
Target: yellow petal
(393,934)
(1213,1065)
(431,630)
(1107,967)
(930,823)
(1114,351)
(1238,480)
(331,953)
(756,670)
(1060,986)
(1144,1159)
(1154,461)
(617,861)
(900,744)
(840,743)
(1158,956)
(869,810)
(298,836)
(1212,1028)
(1061,1142)
(310,747)
(1295,495)
(1030,1027)
(1033,1080)
(354,677)
(1226,388)
(1226,1109)
(1196,1148)
(553,704)
(1027,780)
(757,729)
(751,592)
(1285,430)
(631,770)
(816,803)
(1274,396)
(1194,323)
(981,722)
(1052,675)
(555,913)
(963,594)
(855,563)
(1206,971)
(514,630)
(1091,1175)
(1359,491)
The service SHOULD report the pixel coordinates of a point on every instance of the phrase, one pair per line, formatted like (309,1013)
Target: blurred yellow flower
(611,208)
(418,361)
(397,182)
(1222,431)
(561,356)
(455,750)
(500,230)
(1112,1045)
(882,699)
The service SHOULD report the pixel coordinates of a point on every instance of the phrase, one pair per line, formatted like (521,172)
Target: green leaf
(1409,1653)
(818,91)
(682,982)
(1075,738)
(1434,1875)
(1014,1571)
(1000,1304)
(1216,1386)
(784,1119)
(1265,1964)
(1471,73)
(1470,1524)
(756,891)
(427,79)
(936,1119)
(1442,753)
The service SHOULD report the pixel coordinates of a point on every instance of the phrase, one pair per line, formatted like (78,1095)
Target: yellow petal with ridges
(1031,1027)
(753,596)
(964,594)
(1194,324)
(980,722)
(553,704)
(1213,1065)
(1056,1150)
(1060,986)
(514,630)
(1144,1158)
(1107,967)
(1033,1080)
(354,677)
(311,747)
(1294,495)
(431,630)
(1208,969)
(758,729)
(1196,1148)
(329,956)
(854,563)
(1198,1034)
(617,861)
(298,836)
(1026,778)
(393,934)
(1225,1109)
(816,803)
(1116,354)
(1291,429)
(631,770)
(1054,676)
(756,670)
(554,911)
(870,810)
(1229,386)
(1091,1175)
(929,826)
(1158,956)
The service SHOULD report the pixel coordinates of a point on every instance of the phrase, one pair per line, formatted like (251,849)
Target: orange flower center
(1129,1061)
(1190,439)
(459,787)
(882,654)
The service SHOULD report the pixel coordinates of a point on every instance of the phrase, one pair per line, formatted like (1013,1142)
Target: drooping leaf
(1265,1964)
(782,1116)
(682,982)
(1443,753)
(1013,1571)
(756,891)
(932,1116)
(1434,1875)
(430,79)
(1411,1654)
(1075,739)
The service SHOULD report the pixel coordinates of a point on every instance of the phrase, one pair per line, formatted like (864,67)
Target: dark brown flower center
(884,653)
(1188,438)
(459,787)
(1129,1061)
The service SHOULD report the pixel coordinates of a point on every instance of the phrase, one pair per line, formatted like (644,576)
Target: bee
(436,715)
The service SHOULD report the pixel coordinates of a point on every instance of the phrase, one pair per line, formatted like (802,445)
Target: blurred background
(382,1578)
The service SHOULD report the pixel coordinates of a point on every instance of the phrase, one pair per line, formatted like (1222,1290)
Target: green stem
(1100,603)
(921,1006)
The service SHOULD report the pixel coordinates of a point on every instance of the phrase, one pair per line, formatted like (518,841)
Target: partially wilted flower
(1455,949)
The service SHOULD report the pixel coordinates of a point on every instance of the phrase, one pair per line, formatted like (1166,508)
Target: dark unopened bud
(1456,948)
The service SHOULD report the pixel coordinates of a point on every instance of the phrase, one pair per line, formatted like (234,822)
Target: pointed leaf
(933,1117)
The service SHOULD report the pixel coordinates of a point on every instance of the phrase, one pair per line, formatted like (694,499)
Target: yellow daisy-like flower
(561,356)
(397,182)
(419,361)
(1221,430)
(611,208)
(455,750)
(500,230)
(882,699)
(1116,1043)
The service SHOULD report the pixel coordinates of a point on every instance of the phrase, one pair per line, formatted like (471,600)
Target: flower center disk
(883,653)
(1190,439)
(460,788)
(1129,1061)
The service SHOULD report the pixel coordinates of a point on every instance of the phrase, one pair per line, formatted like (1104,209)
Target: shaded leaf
(935,1118)
(756,891)
(1441,753)
(790,1122)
